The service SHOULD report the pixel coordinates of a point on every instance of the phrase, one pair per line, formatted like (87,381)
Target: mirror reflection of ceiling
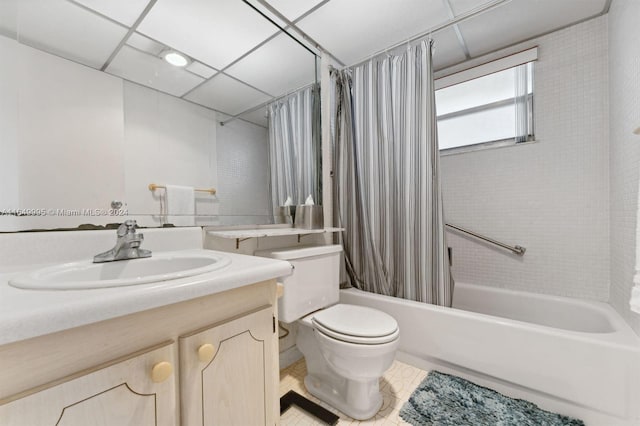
(240,60)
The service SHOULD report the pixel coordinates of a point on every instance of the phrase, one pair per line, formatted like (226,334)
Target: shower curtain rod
(463,17)
(264,104)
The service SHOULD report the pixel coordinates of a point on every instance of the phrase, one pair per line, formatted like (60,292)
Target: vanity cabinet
(212,360)
(139,390)
(224,372)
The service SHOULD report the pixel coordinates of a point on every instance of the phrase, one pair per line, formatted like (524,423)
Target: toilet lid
(356,324)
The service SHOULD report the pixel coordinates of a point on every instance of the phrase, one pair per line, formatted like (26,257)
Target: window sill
(483,146)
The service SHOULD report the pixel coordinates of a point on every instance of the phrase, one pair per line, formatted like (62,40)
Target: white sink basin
(86,274)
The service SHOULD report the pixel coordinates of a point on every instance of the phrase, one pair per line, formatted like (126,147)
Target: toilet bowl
(344,369)
(347,348)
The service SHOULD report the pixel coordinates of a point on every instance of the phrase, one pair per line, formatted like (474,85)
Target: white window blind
(489,103)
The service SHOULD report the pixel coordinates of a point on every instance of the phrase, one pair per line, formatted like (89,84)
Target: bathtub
(571,356)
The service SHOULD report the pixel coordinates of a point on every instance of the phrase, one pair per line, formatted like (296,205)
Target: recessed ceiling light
(176,59)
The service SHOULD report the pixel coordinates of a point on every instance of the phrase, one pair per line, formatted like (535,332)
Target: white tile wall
(624,95)
(243,173)
(551,196)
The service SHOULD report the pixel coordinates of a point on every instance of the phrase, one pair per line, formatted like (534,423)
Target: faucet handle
(127,227)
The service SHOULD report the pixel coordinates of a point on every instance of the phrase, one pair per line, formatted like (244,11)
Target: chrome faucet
(127,246)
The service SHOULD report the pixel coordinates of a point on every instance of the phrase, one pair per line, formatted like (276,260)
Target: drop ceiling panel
(461,6)
(265,10)
(227,95)
(523,19)
(446,49)
(355,29)
(64,29)
(213,32)
(258,117)
(201,69)
(145,44)
(293,9)
(153,72)
(124,11)
(279,66)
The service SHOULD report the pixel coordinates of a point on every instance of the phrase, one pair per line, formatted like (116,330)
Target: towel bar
(153,187)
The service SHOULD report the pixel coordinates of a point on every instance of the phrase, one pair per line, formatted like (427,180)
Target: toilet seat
(356,324)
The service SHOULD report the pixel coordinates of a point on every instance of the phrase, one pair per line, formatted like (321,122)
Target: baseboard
(289,356)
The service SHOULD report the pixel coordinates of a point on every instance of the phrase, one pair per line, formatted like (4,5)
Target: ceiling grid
(456,28)
(129,33)
(231,45)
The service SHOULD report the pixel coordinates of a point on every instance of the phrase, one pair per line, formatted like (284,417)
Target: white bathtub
(571,356)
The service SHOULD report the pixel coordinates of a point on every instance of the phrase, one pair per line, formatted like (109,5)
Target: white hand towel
(181,204)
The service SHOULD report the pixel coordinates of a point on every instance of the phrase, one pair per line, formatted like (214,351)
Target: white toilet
(347,348)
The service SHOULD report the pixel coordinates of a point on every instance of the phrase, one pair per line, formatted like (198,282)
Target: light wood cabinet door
(229,372)
(138,390)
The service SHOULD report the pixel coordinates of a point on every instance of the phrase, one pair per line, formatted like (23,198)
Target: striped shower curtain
(294,150)
(386,191)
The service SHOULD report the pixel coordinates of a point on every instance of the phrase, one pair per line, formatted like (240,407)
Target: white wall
(70,129)
(243,173)
(550,196)
(68,135)
(167,141)
(9,195)
(624,95)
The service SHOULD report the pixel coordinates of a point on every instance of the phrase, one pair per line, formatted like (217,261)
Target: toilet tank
(314,283)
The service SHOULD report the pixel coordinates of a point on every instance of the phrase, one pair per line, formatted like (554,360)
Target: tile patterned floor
(396,386)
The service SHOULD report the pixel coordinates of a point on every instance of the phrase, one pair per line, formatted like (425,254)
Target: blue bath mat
(444,400)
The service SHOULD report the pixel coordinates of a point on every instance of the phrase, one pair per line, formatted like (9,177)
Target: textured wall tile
(243,174)
(552,196)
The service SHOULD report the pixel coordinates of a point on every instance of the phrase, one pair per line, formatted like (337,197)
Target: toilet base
(345,376)
(363,399)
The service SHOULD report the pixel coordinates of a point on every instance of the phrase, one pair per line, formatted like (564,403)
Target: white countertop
(29,313)
(268,232)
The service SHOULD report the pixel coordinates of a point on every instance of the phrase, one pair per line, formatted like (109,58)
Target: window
(487,105)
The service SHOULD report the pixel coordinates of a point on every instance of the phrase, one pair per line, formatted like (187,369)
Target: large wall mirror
(92,112)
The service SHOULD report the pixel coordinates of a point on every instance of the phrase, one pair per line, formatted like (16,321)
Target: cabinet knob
(161,371)
(206,352)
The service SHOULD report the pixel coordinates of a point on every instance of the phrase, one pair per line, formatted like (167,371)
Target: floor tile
(396,386)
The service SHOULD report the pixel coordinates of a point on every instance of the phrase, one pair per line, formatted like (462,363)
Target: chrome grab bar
(519,250)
